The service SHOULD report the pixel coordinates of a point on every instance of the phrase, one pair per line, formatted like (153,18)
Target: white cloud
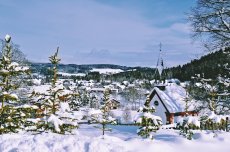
(181,27)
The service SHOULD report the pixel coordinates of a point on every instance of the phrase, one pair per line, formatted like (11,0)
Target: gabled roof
(114,100)
(172,98)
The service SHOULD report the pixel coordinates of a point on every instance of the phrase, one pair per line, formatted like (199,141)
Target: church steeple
(160,63)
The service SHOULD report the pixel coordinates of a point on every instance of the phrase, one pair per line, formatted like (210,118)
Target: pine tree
(85,98)
(75,102)
(13,114)
(185,124)
(149,123)
(94,102)
(213,93)
(103,117)
(224,81)
(57,115)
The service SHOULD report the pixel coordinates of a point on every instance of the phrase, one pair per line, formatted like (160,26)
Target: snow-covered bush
(186,124)
(212,121)
(147,120)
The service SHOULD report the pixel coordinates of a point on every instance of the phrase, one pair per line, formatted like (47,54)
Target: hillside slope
(210,66)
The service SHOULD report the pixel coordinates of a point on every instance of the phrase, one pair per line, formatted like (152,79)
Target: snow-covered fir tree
(212,121)
(75,102)
(94,102)
(85,98)
(147,120)
(102,116)
(57,115)
(187,123)
(224,80)
(13,113)
(209,94)
(209,20)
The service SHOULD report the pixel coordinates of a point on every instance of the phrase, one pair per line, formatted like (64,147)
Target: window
(156,103)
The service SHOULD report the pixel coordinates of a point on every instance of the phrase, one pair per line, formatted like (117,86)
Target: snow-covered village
(115,76)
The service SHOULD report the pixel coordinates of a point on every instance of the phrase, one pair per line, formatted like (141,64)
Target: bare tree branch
(210,21)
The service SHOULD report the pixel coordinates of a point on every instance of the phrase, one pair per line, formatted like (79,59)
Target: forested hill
(209,66)
(74,68)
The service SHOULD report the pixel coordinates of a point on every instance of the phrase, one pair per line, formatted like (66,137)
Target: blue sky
(124,32)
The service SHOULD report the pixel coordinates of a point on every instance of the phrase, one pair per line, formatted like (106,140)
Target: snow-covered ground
(122,139)
(107,71)
(72,74)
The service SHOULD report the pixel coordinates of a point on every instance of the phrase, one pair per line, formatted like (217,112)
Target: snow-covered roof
(44,88)
(173,98)
(37,81)
(98,89)
(114,100)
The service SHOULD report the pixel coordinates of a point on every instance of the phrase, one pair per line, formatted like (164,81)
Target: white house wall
(160,109)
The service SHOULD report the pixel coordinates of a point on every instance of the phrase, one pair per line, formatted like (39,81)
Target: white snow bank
(121,139)
(216,118)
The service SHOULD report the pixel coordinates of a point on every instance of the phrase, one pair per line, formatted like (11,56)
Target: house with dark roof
(113,104)
(169,101)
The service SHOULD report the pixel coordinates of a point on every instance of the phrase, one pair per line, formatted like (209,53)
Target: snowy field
(106,71)
(122,139)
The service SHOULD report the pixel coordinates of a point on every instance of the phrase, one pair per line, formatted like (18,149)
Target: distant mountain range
(210,66)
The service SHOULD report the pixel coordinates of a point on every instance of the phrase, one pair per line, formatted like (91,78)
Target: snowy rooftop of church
(174,98)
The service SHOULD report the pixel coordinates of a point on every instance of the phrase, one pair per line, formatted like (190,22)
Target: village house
(169,101)
(113,104)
